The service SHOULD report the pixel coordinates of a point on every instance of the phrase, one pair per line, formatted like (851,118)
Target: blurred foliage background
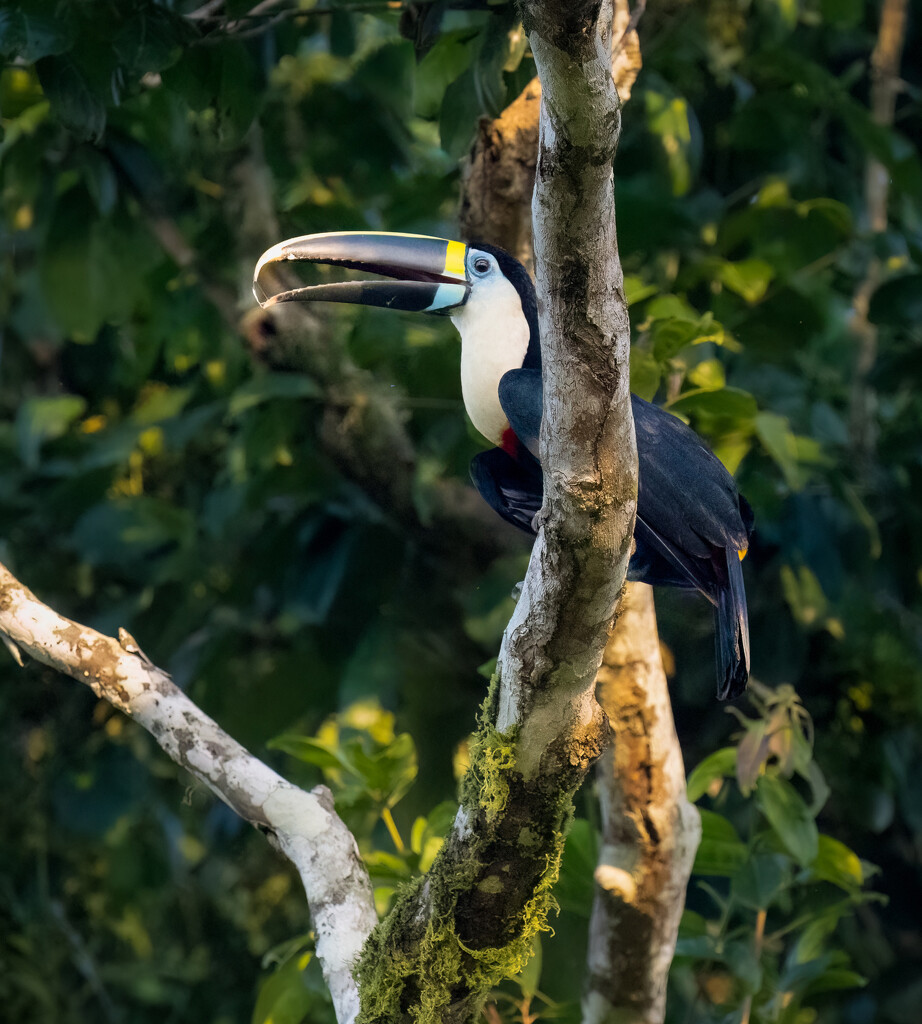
(168,466)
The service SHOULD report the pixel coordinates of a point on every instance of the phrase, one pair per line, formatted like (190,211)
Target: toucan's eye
(481,265)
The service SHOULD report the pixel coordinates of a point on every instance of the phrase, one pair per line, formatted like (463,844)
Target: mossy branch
(471,921)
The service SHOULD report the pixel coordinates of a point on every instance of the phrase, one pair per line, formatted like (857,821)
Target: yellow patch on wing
(454,259)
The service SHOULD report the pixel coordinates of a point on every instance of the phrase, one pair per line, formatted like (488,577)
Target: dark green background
(154,476)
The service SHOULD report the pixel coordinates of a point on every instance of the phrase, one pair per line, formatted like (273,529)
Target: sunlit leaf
(719,765)
(668,118)
(645,374)
(748,278)
(284,997)
(44,419)
(836,863)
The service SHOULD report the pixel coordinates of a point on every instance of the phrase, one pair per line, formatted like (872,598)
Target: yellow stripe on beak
(454,260)
(743,553)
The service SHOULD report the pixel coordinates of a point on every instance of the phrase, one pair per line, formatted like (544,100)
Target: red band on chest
(510,443)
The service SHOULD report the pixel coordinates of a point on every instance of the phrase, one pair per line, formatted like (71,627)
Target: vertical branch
(650,830)
(587,437)
(885,86)
(469,923)
(498,177)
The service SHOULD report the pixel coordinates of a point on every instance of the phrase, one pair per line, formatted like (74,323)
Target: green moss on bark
(416,965)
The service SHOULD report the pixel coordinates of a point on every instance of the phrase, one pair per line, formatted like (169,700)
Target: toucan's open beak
(428,273)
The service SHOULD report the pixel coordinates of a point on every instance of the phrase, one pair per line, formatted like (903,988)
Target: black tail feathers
(732,632)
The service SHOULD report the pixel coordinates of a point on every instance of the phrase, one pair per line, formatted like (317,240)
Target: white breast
(494,339)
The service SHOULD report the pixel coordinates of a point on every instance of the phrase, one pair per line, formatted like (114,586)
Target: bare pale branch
(301,825)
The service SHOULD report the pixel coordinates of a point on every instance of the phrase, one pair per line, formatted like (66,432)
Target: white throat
(494,339)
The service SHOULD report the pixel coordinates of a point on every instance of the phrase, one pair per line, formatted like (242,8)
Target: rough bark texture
(469,923)
(301,825)
(650,831)
(579,560)
(498,177)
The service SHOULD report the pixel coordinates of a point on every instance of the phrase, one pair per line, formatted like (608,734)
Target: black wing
(513,487)
(685,492)
(521,397)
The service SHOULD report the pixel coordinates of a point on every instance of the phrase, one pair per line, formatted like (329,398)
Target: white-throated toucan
(692,528)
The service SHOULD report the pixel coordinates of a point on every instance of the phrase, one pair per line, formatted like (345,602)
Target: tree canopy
(172,463)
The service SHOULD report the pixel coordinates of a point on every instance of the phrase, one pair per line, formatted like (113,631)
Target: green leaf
(160,403)
(460,112)
(708,375)
(804,595)
(760,879)
(127,531)
(812,940)
(748,278)
(891,148)
(99,177)
(636,289)
(446,61)
(530,976)
(645,374)
(219,77)
(311,751)
(836,213)
(774,433)
(666,307)
(388,773)
(92,270)
(74,100)
(729,403)
(151,40)
(719,765)
(835,980)
(721,852)
(807,976)
(36,29)
(699,947)
(836,863)
(491,61)
(267,387)
(668,118)
(387,74)
(671,336)
(284,997)
(575,889)
(789,817)
(44,419)
(741,958)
